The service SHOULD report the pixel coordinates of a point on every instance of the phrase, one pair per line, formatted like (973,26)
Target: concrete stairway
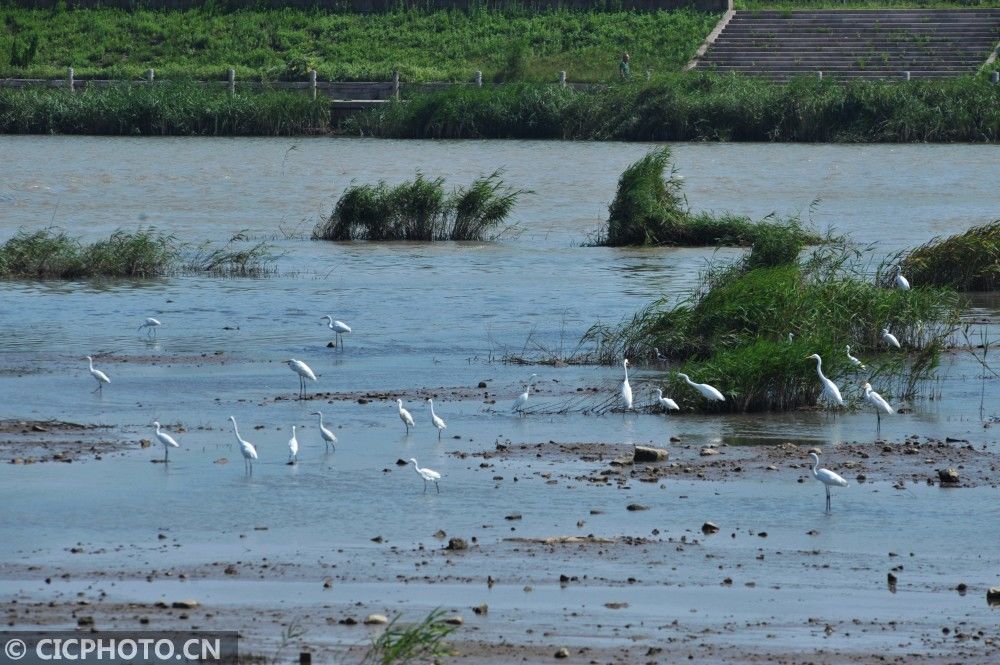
(849,44)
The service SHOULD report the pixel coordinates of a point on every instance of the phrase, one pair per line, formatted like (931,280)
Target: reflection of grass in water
(423,641)
(52,254)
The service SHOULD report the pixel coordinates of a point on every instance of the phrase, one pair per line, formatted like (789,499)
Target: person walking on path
(623,67)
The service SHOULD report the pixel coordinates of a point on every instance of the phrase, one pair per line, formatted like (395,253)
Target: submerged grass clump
(650,209)
(52,254)
(733,332)
(420,209)
(968,261)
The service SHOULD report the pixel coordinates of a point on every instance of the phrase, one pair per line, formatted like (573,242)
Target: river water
(439,318)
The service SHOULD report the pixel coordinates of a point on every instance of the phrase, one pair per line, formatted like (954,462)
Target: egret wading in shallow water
(826,477)
(293,448)
(881,406)
(436,419)
(889,338)
(338,328)
(522,399)
(329,438)
(98,375)
(666,403)
(304,373)
(901,282)
(150,325)
(854,361)
(427,474)
(246,448)
(404,415)
(830,389)
(167,441)
(710,393)
(626,389)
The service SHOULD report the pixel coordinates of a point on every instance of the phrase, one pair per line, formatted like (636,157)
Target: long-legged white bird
(329,438)
(404,415)
(522,399)
(881,406)
(666,403)
(293,448)
(427,474)
(246,448)
(854,361)
(710,393)
(901,282)
(830,390)
(889,338)
(338,328)
(150,325)
(827,477)
(626,389)
(98,375)
(167,441)
(436,419)
(304,373)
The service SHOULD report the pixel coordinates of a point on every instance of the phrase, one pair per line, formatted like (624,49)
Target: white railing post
(150,74)
(232,82)
(906,76)
(312,82)
(479,78)
(395,85)
(562,79)
(70,76)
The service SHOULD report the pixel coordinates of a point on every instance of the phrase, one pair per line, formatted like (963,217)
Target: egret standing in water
(304,373)
(427,474)
(338,328)
(249,452)
(98,375)
(329,438)
(826,477)
(830,389)
(854,361)
(293,448)
(150,325)
(889,338)
(404,415)
(666,403)
(901,282)
(881,406)
(710,393)
(522,399)
(437,420)
(626,388)
(167,441)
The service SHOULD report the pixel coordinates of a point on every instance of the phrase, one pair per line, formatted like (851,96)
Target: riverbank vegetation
(733,331)
(421,210)
(968,261)
(145,253)
(284,44)
(650,209)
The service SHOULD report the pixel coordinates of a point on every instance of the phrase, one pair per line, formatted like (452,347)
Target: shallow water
(439,317)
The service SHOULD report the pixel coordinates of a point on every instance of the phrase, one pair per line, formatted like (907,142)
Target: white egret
(293,448)
(427,474)
(167,441)
(522,399)
(665,402)
(889,338)
(854,361)
(304,373)
(708,392)
(338,328)
(881,406)
(626,388)
(404,415)
(150,325)
(329,438)
(791,338)
(830,389)
(436,419)
(901,282)
(247,448)
(826,477)
(98,375)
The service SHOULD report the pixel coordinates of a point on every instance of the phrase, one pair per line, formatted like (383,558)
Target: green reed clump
(420,642)
(649,208)
(234,259)
(45,254)
(134,254)
(968,261)
(421,210)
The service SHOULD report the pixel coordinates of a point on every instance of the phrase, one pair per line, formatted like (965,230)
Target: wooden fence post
(232,82)
(479,78)
(149,75)
(69,78)
(395,86)
(312,82)
(562,79)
